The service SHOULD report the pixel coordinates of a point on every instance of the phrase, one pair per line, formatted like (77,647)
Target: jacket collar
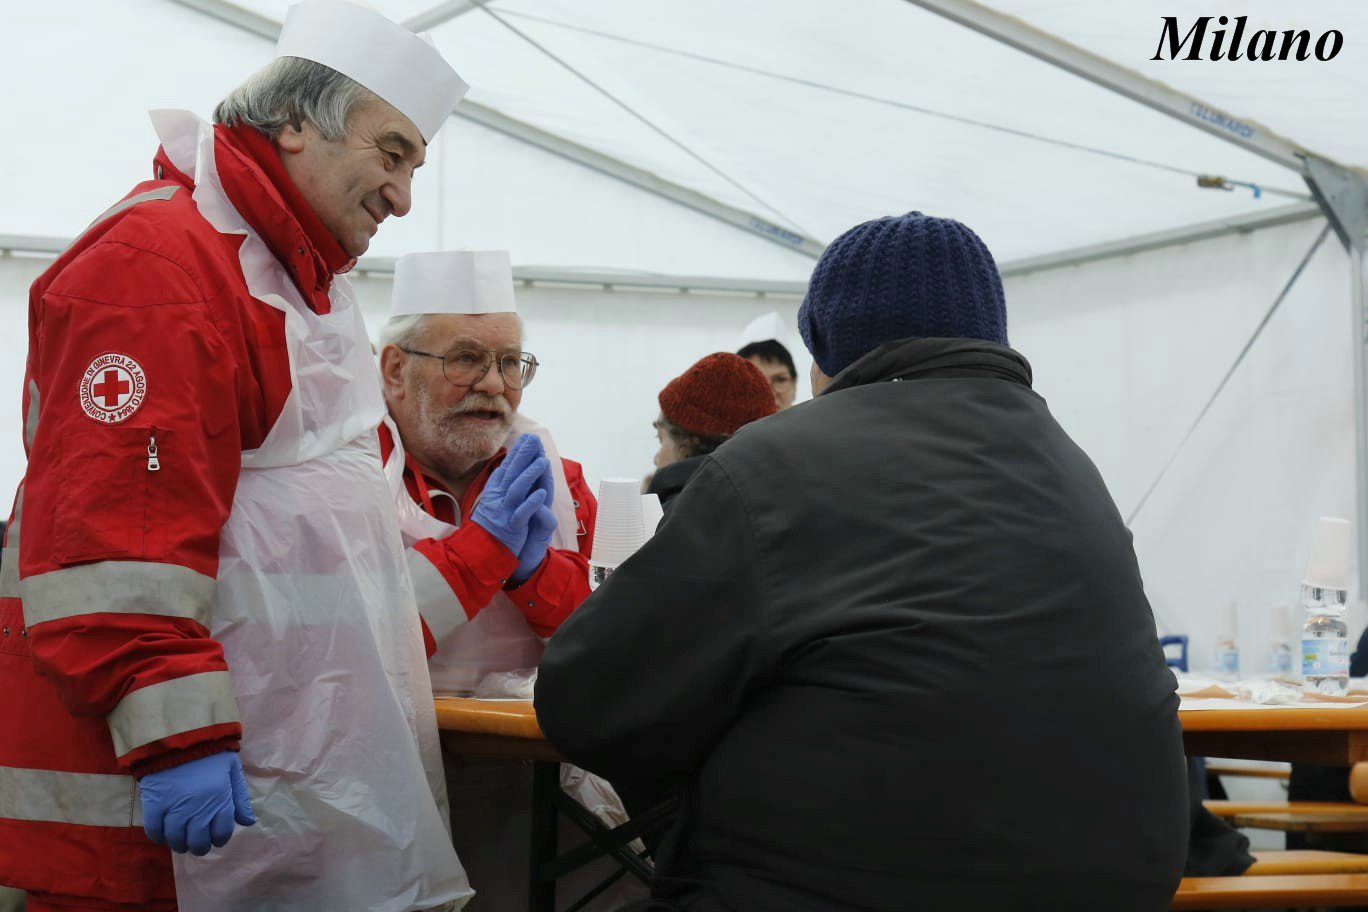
(918,359)
(674,476)
(164,169)
(261,189)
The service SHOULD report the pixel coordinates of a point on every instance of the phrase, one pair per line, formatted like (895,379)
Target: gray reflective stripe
(31,422)
(161,193)
(9,558)
(170,708)
(87,799)
(120,587)
(437,602)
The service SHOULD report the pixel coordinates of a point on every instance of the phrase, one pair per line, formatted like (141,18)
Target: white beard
(450,446)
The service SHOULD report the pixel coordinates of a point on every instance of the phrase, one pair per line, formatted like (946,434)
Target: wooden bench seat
(1306,861)
(1288,822)
(1272,892)
(1228,768)
(1233,808)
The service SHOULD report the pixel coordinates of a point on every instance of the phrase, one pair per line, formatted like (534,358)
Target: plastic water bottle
(1325,640)
(1227,658)
(1324,591)
(1279,648)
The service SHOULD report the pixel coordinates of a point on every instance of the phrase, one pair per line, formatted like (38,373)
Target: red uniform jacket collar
(262,191)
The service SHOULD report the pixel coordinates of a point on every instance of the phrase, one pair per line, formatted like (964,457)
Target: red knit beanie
(716,396)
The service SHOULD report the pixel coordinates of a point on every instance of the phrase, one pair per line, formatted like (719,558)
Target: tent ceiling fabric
(816,160)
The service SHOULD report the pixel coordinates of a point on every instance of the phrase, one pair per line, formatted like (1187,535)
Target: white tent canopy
(693,158)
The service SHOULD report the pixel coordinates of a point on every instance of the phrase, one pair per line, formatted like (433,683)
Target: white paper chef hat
(762,329)
(402,68)
(453,282)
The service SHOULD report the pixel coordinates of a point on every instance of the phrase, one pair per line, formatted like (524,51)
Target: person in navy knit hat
(910,276)
(891,644)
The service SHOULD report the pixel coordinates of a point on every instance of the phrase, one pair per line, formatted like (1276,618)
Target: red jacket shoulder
(159,224)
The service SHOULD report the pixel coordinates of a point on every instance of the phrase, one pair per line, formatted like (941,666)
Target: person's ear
(392,360)
(291,139)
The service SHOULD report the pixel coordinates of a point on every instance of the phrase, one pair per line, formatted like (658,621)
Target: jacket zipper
(153,463)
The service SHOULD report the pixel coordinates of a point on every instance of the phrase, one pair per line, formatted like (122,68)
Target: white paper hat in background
(453,282)
(764,327)
(1332,555)
(404,69)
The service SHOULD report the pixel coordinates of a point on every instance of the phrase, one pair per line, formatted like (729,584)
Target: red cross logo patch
(113,387)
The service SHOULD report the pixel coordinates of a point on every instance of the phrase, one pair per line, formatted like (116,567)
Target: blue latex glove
(193,806)
(539,531)
(513,493)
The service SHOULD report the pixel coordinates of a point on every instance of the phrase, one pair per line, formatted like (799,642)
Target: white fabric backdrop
(1127,351)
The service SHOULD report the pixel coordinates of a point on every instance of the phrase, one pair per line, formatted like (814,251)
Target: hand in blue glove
(194,805)
(513,493)
(539,531)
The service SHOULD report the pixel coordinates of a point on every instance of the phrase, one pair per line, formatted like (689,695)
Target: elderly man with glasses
(497,526)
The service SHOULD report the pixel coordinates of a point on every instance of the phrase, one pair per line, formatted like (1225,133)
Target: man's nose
(399,193)
(491,383)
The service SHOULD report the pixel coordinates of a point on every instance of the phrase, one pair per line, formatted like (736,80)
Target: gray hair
(402,331)
(689,443)
(291,90)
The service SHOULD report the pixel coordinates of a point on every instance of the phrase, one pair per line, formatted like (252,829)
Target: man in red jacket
(498,526)
(495,572)
(205,619)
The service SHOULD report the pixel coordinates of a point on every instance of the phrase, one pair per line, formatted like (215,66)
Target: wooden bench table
(1309,734)
(1273,892)
(505,729)
(1312,733)
(508,730)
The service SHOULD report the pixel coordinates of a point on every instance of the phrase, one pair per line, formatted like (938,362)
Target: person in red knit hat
(699,411)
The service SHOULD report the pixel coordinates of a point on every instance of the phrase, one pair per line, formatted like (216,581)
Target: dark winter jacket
(666,483)
(894,647)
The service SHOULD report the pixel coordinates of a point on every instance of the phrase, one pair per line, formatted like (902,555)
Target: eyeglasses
(468,366)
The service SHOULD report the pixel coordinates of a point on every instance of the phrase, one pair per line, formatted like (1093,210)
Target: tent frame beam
(608,280)
(1143,243)
(265,27)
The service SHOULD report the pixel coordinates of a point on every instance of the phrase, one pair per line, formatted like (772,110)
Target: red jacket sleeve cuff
(165,761)
(553,591)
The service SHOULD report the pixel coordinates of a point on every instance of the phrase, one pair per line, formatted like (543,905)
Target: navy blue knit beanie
(900,277)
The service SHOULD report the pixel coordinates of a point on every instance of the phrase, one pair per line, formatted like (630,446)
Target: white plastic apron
(316,614)
(498,638)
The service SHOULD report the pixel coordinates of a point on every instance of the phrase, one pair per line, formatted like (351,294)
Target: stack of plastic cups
(618,527)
